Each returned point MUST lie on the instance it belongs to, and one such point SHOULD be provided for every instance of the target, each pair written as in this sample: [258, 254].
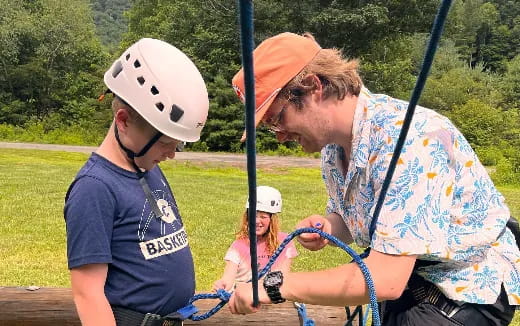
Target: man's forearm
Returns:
[345, 285]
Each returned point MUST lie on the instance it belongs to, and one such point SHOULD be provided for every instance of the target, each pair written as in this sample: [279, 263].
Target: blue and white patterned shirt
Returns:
[441, 204]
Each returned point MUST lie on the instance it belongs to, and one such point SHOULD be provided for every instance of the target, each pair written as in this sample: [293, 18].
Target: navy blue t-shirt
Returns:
[109, 220]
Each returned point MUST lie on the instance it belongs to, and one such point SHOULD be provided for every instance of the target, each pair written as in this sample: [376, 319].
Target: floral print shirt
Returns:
[441, 204]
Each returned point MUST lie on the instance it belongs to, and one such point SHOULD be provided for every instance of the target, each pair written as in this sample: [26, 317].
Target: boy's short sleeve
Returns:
[89, 217]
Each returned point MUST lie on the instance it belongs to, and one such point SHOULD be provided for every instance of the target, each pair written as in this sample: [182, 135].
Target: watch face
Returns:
[273, 279]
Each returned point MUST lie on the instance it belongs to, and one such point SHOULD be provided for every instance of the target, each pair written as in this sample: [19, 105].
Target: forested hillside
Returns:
[109, 20]
[52, 60]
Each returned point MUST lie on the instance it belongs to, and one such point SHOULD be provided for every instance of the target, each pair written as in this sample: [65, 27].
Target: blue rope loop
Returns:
[221, 294]
[224, 295]
[362, 266]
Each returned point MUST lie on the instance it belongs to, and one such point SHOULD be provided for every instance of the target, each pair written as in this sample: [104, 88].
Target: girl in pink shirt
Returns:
[268, 237]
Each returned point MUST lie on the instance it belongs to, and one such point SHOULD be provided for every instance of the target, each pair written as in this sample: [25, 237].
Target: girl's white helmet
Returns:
[268, 199]
[163, 85]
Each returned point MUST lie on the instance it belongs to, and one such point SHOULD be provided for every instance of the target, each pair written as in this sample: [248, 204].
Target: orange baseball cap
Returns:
[276, 61]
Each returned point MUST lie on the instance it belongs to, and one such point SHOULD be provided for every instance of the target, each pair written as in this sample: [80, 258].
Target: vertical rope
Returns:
[247, 41]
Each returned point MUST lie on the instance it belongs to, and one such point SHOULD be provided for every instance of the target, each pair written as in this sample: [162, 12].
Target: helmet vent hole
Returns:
[127, 56]
[137, 64]
[159, 106]
[140, 80]
[118, 67]
[154, 91]
[176, 113]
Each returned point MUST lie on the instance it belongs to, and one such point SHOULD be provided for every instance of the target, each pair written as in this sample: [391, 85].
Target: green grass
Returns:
[211, 201]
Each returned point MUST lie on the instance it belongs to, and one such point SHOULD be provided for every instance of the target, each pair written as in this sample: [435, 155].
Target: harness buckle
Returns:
[150, 317]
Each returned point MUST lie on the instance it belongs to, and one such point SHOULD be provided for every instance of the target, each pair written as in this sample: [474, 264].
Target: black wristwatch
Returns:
[272, 283]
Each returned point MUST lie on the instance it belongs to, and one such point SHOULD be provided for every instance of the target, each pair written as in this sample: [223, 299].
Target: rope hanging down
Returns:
[247, 42]
[433, 43]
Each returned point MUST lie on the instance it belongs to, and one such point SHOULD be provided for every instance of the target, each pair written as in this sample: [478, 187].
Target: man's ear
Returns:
[313, 82]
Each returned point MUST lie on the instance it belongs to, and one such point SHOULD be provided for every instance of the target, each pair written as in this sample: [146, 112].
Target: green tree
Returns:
[510, 84]
[207, 31]
[485, 32]
[54, 61]
[110, 20]
[457, 86]
[480, 123]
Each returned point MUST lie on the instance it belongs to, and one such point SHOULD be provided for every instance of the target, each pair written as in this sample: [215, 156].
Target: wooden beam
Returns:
[54, 306]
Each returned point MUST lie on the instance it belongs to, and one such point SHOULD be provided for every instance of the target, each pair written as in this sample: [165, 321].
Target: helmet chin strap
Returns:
[131, 155]
[140, 173]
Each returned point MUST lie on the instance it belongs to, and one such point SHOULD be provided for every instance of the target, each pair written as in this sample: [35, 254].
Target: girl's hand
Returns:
[314, 241]
[221, 284]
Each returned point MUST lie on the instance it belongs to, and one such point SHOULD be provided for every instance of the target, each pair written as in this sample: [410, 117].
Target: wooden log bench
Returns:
[54, 306]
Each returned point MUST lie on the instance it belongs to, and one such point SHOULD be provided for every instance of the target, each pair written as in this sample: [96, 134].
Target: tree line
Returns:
[53, 54]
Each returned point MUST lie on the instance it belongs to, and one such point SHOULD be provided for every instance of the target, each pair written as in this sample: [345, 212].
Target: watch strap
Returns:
[273, 289]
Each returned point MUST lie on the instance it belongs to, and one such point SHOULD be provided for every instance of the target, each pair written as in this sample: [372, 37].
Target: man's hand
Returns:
[241, 301]
[314, 241]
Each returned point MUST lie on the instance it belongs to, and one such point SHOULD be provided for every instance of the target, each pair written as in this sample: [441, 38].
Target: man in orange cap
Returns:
[443, 251]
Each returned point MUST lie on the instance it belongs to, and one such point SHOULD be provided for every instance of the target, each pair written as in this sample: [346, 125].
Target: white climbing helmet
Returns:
[164, 86]
[268, 199]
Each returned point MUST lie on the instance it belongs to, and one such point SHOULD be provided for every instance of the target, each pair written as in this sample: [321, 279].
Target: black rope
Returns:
[247, 42]
[436, 33]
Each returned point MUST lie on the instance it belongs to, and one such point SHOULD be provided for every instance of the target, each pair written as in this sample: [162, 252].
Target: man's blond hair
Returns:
[339, 77]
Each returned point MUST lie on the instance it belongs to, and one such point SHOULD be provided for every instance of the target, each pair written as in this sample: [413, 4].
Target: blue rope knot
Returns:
[189, 311]
[223, 295]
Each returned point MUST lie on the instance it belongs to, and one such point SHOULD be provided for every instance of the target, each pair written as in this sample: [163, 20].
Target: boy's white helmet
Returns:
[164, 86]
[268, 199]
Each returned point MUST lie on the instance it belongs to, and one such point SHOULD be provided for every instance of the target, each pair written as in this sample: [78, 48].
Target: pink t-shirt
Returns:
[238, 253]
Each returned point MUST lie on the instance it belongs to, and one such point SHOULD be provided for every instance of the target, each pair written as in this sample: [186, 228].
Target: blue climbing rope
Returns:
[247, 42]
[190, 310]
[362, 266]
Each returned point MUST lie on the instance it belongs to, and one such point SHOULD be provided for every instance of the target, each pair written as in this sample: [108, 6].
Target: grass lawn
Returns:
[211, 201]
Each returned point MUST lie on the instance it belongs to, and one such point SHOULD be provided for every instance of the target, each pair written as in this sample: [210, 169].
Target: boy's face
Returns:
[163, 149]
[135, 133]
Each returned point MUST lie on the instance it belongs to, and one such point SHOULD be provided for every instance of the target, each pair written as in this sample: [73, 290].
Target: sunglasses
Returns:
[274, 123]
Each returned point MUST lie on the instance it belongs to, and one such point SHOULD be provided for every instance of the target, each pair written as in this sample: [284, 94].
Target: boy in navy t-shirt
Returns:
[127, 247]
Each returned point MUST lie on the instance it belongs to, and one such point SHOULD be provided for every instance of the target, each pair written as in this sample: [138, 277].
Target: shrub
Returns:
[505, 173]
[489, 155]
[199, 146]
